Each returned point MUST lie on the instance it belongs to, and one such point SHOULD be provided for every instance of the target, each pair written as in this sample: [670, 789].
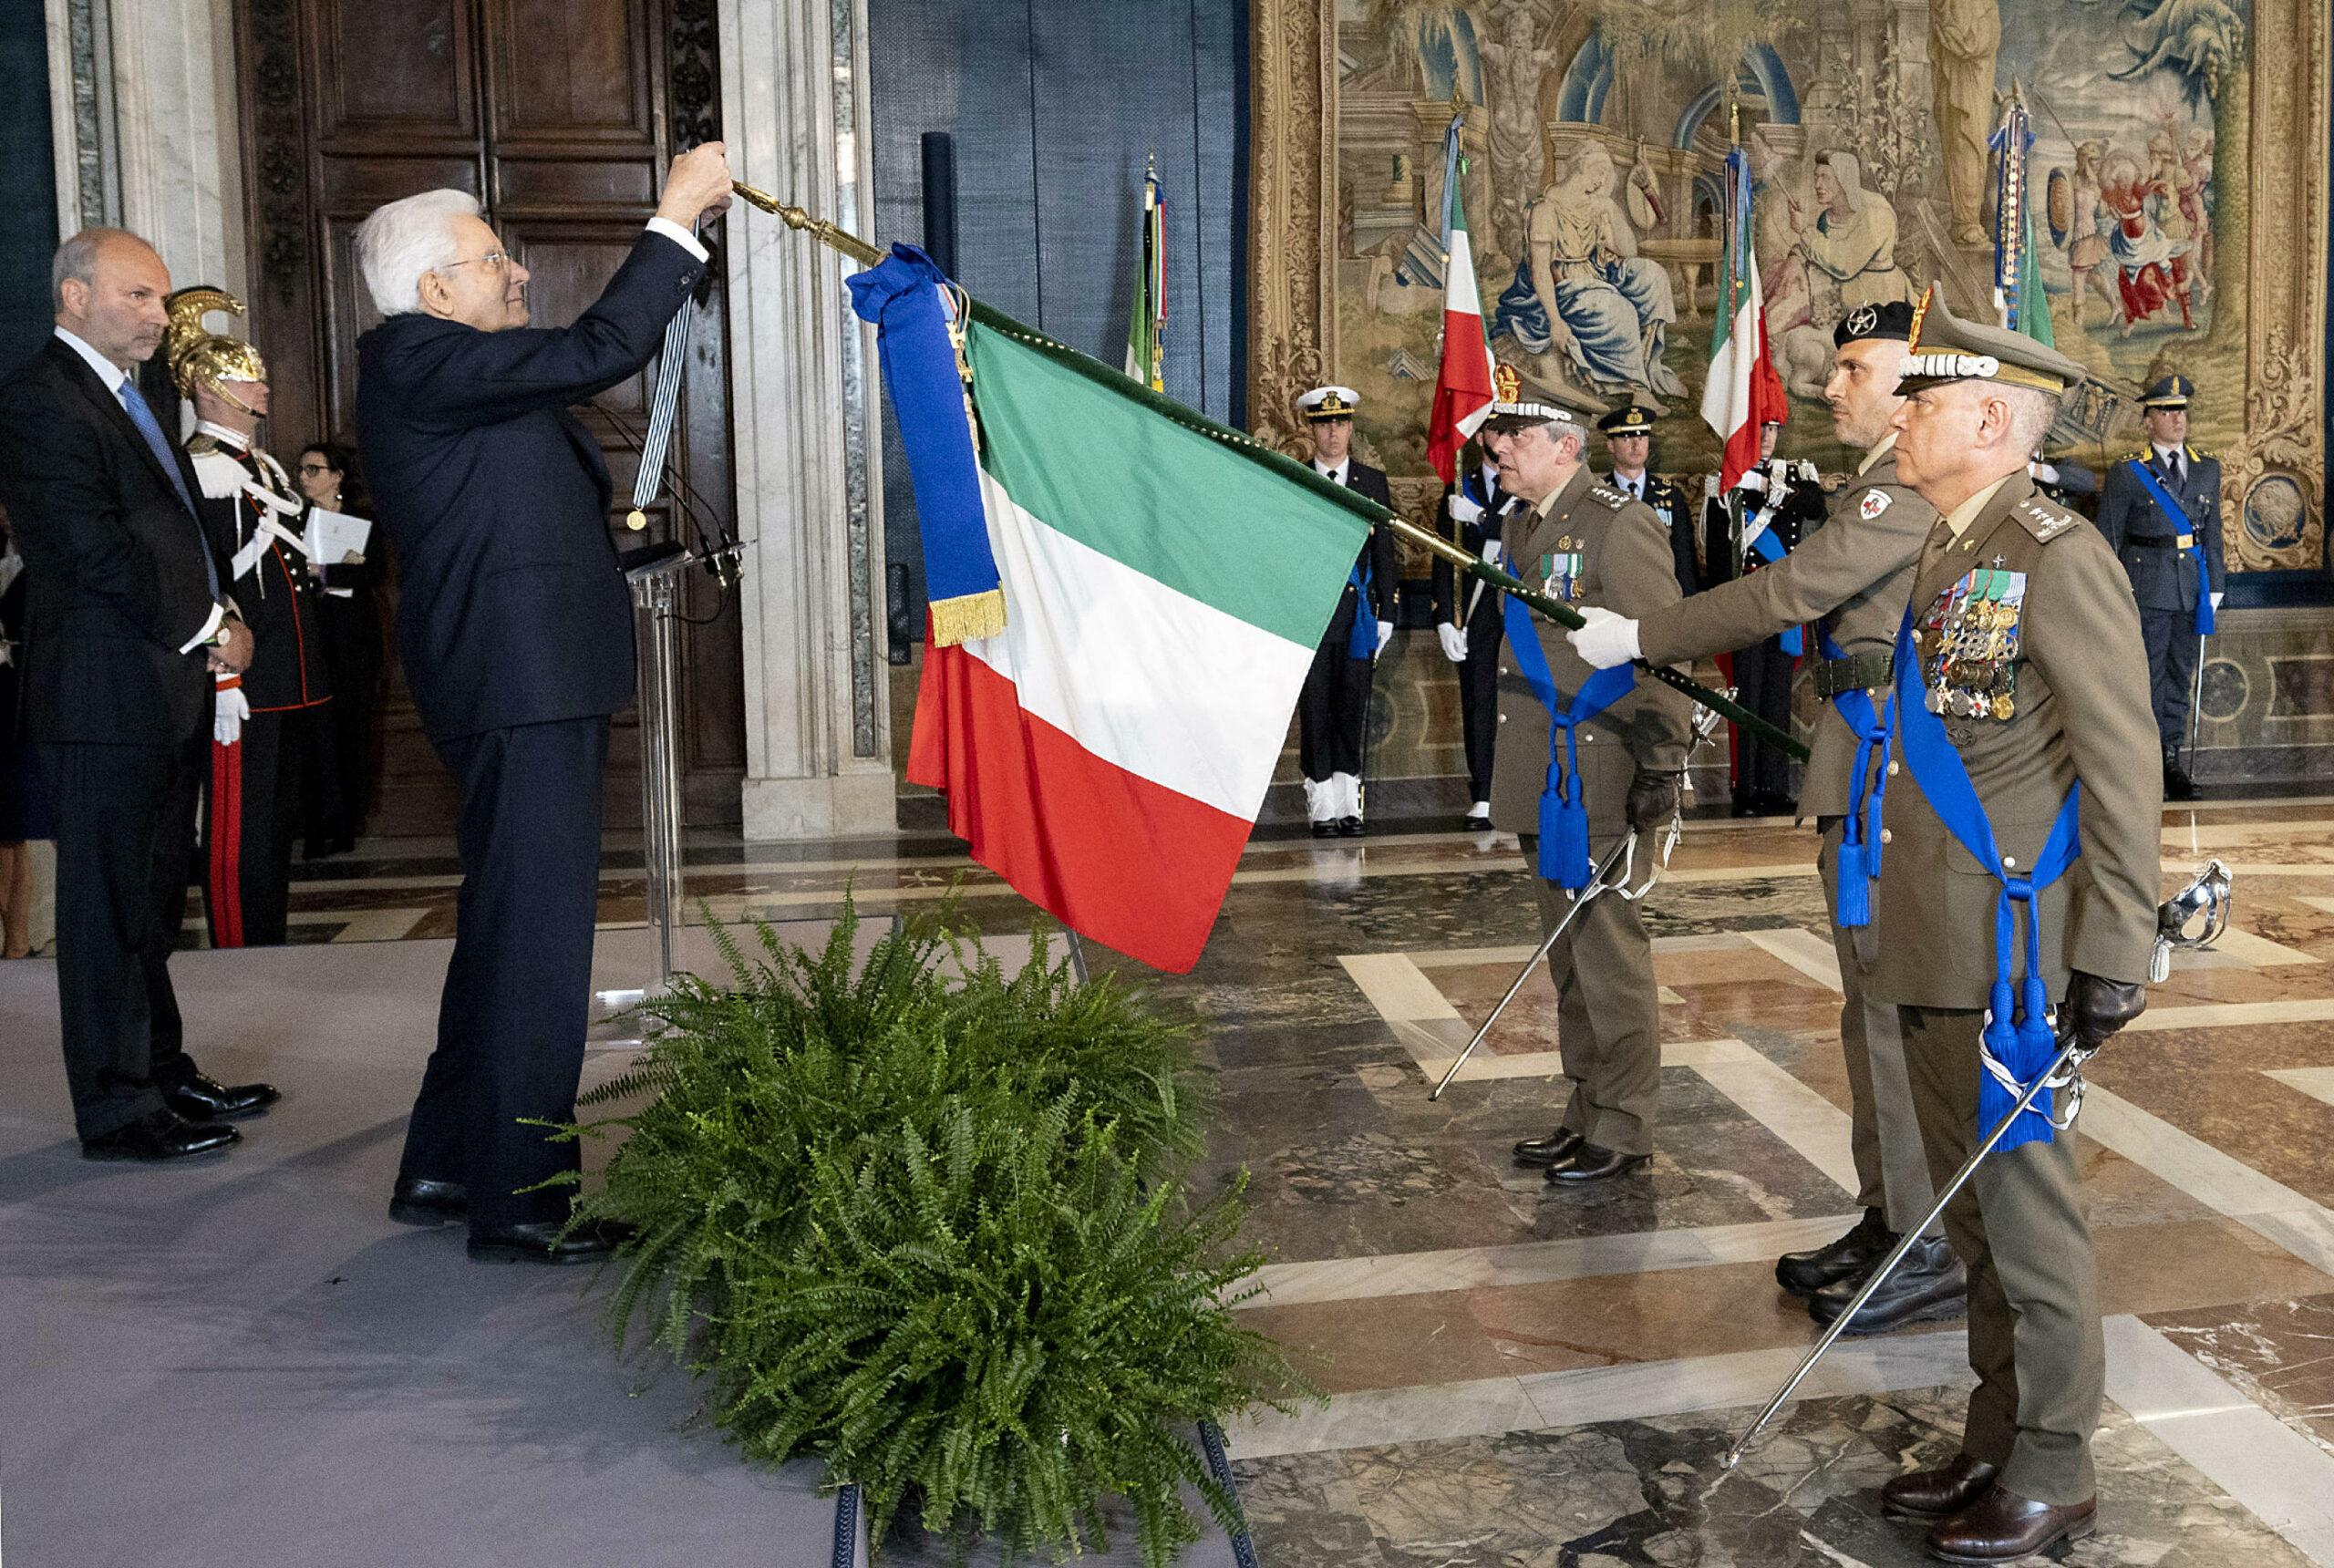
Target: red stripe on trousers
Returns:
[1113, 855]
[227, 844]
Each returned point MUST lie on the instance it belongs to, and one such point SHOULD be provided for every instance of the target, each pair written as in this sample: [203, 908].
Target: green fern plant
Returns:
[924, 1221]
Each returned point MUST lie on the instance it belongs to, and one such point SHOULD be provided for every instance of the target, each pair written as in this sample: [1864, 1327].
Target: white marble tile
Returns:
[1377, 1415]
[1811, 955]
[1536, 1263]
[2241, 949]
[2220, 1182]
[1748, 1377]
[2316, 1082]
[2233, 1015]
[2283, 1477]
[1787, 1108]
[1396, 988]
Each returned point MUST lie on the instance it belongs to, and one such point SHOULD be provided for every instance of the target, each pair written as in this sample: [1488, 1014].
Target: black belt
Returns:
[2152, 540]
[1857, 672]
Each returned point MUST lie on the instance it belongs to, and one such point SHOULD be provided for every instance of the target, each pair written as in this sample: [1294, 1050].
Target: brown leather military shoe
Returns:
[2001, 1527]
[1934, 1494]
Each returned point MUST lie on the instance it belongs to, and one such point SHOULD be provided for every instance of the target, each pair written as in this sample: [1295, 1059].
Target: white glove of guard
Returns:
[1751, 479]
[1606, 640]
[1454, 641]
[1385, 638]
[1463, 509]
[2216, 600]
[232, 707]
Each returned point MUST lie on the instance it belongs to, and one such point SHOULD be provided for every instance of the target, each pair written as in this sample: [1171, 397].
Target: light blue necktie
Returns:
[141, 414]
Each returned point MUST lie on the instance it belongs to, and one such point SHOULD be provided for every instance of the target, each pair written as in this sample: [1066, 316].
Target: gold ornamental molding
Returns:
[1292, 212]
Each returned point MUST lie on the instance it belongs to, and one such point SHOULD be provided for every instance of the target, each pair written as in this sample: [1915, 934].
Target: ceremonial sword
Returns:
[2208, 895]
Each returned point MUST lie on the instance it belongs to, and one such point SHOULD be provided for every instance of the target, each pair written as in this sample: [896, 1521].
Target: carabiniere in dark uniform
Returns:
[259, 765]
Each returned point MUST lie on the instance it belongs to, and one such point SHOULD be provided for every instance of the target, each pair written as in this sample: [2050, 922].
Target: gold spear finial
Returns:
[826, 233]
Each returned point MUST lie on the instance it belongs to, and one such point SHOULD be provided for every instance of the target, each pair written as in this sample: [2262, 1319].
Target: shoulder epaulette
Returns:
[202, 445]
[218, 474]
[2044, 519]
[1607, 497]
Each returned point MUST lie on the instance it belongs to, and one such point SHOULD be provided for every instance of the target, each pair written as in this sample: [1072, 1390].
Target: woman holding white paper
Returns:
[348, 562]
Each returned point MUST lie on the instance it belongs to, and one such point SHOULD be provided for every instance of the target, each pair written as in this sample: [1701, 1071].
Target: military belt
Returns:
[2152, 540]
[1857, 672]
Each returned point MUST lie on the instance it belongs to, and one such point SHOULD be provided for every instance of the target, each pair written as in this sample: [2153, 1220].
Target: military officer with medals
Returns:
[1583, 756]
[1333, 707]
[261, 724]
[1628, 442]
[2016, 905]
[1772, 505]
[1852, 575]
[2161, 512]
[1467, 620]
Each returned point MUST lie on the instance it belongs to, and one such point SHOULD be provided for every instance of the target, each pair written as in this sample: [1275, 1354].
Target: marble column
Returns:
[801, 368]
[145, 120]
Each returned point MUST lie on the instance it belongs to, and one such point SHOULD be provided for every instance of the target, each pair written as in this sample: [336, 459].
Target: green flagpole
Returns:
[1281, 463]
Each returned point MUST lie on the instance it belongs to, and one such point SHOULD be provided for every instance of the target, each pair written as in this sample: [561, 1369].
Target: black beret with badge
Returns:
[1892, 320]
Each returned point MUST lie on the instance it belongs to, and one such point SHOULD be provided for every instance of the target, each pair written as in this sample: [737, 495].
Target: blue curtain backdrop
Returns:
[1052, 107]
[28, 217]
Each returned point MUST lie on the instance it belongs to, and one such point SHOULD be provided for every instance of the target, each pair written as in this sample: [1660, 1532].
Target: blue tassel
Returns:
[1855, 887]
[1563, 836]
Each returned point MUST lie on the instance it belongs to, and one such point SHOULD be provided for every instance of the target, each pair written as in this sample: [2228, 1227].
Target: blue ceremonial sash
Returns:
[1771, 551]
[1361, 641]
[2177, 515]
[1859, 861]
[2016, 1045]
[1563, 812]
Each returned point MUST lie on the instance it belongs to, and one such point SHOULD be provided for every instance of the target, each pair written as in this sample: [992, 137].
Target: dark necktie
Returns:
[2179, 469]
[141, 414]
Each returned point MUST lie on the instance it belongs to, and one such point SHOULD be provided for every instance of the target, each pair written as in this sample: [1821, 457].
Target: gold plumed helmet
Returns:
[201, 357]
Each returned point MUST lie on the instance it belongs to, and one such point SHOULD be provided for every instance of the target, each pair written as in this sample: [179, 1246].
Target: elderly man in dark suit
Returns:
[127, 621]
[516, 631]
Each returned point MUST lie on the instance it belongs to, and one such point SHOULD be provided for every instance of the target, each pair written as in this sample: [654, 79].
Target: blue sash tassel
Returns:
[1770, 551]
[1859, 861]
[1361, 641]
[1564, 809]
[2018, 1033]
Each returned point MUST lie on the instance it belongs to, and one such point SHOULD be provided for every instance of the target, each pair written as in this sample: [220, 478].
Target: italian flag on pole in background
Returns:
[1106, 749]
[1147, 319]
[1463, 389]
[1743, 392]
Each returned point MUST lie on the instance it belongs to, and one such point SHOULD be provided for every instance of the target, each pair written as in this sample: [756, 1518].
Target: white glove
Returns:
[1751, 479]
[1385, 637]
[1454, 641]
[1606, 640]
[2047, 472]
[233, 708]
[1463, 509]
[2216, 600]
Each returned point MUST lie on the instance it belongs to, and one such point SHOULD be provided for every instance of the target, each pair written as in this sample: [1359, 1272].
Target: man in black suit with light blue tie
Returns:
[515, 627]
[128, 618]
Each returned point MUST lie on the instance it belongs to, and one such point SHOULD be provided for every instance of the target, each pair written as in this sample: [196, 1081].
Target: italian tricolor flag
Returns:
[1463, 388]
[1107, 752]
[1743, 392]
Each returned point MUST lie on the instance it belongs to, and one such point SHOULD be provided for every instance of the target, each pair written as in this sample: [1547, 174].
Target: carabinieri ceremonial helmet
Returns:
[201, 357]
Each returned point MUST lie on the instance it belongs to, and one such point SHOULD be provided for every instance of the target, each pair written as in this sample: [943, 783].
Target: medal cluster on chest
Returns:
[1562, 569]
[1970, 638]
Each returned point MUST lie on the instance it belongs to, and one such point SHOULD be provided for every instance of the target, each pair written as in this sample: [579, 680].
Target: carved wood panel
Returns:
[560, 116]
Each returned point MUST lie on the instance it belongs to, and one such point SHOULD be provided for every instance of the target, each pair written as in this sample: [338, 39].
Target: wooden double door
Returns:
[560, 116]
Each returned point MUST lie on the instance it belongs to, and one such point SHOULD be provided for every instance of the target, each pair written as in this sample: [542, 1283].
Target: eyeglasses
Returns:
[495, 258]
[308, 468]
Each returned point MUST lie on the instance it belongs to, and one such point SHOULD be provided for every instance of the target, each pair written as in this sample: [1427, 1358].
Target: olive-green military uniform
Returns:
[2064, 698]
[1608, 1014]
[1856, 570]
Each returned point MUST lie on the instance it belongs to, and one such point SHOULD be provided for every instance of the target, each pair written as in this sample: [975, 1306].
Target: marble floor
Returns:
[1517, 1376]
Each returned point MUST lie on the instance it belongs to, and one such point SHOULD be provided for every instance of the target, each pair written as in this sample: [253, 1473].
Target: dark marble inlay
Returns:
[2279, 1354]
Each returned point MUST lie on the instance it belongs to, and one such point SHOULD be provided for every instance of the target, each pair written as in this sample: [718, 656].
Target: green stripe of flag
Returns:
[1161, 498]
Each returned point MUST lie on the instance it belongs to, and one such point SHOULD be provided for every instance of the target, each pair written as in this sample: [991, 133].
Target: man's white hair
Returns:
[406, 239]
[2031, 413]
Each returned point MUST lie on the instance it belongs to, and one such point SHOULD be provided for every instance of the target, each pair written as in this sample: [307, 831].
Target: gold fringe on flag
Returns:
[967, 616]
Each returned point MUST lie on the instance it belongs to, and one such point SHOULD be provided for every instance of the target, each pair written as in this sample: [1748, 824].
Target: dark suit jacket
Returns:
[1452, 595]
[2162, 577]
[1378, 549]
[113, 563]
[512, 608]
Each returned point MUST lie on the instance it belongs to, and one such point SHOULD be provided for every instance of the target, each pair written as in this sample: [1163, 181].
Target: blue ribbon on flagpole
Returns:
[2016, 1045]
[1361, 641]
[902, 297]
[1770, 551]
[1858, 867]
[1564, 808]
[2177, 515]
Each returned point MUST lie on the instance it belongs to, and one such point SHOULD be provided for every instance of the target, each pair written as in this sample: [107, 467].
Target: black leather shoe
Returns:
[1929, 1286]
[414, 1202]
[164, 1135]
[1590, 1162]
[1934, 1494]
[2002, 1527]
[1325, 830]
[1538, 1153]
[543, 1244]
[197, 1097]
[1474, 824]
[1851, 1257]
[1349, 827]
[2178, 785]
